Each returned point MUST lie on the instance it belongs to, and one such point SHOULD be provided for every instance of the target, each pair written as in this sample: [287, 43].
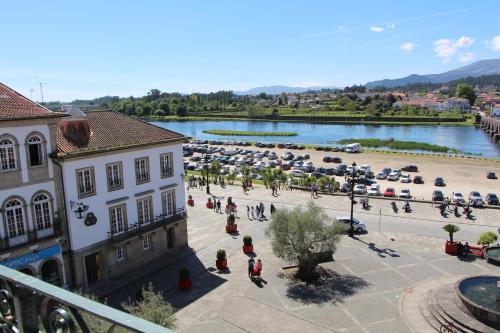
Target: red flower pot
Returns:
[210, 205]
[190, 202]
[232, 228]
[185, 284]
[221, 264]
[247, 249]
[451, 247]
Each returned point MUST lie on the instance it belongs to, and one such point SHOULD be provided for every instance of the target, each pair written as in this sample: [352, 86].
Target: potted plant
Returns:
[184, 279]
[190, 201]
[247, 244]
[451, 247]
[210, 203]
[221, 262]
[231, 227]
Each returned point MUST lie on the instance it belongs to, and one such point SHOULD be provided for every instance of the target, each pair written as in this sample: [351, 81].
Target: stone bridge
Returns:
[492, 127]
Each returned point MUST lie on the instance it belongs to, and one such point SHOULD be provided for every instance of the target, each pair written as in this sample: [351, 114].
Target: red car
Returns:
[389, 192]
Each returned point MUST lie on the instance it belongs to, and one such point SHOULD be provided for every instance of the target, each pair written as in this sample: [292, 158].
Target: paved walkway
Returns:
[360, 290]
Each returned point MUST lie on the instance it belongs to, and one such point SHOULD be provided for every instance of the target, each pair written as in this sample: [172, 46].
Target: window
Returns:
[166, 165]
[117, 219]
[142, 170]
[146, 242]
[35, 151]
[8, 158]
[15, 218]
[85, 182]
[168, 202]
[144, 210]
[120, 253]
[41, 212]
[115, 176]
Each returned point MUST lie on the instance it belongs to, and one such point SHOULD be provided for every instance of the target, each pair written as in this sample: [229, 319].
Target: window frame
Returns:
[141, 212]
[170, 158]
[113, 225]
[109, 167]
[19, 226]
[42, 151]
[120, 249]
[164, 202]
[147, 170]
[147, 242]
[6, 150]
[92, 180]
[46, 211]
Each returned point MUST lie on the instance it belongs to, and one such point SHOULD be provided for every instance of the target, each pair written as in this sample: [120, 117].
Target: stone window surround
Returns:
[44, 150]
[148, 170]
[121, 186]
[92, 175]
[170, 157]
[16, 152]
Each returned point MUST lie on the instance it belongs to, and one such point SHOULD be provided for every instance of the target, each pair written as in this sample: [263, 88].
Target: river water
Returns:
[468, 139]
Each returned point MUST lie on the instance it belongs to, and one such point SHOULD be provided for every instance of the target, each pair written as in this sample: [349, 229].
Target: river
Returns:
[468, 139]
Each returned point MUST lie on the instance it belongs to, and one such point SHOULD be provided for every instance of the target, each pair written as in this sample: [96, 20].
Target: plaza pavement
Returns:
[361, 290]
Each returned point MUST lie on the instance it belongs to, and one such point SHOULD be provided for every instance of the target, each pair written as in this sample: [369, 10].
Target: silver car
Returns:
[345, 221]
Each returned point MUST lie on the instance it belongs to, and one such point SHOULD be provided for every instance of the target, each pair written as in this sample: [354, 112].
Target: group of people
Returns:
[196, 182]
[463, 249]
[254, 268]
[217, 206]
[257, 212]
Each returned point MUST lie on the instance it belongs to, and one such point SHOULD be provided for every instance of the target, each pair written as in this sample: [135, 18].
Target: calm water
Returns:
[482, 291]
[465, 138]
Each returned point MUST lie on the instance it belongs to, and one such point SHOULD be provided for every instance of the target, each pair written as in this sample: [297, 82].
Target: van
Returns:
[353, 148]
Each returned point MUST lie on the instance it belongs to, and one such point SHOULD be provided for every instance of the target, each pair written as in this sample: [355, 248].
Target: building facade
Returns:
[31, 214]
[124, 193]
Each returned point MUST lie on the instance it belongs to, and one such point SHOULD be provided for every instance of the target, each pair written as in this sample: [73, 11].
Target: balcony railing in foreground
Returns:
[140, 228]
[27, 304]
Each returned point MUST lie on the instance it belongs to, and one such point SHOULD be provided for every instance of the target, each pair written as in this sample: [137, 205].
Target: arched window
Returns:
[35, 150]
[41, 211]
[8, 158]
[14, 214]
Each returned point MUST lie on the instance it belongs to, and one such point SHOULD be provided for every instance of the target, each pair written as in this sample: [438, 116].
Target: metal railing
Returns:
[31, 236]
[27, 304]
[140, 228]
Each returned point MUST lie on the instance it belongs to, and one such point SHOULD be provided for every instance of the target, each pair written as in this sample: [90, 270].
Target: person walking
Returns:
[219, 207]
[253, 215]
[272, 208]
[248, 212]
[215, 206]
[262, 211]
[251, 264]
[257, 212]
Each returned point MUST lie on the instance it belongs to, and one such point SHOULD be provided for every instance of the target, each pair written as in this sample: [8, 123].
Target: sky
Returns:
[88, 49]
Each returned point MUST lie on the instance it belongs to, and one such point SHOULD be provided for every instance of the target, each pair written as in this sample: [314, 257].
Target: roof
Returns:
[14, 106]
[110, 131]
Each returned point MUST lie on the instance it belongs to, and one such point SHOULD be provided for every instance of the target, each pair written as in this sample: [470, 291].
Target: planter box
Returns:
[185, 284]
[210, 205]
[451, 248]
[231, 228]
[221, 264]
[190, 202]
[247, 249]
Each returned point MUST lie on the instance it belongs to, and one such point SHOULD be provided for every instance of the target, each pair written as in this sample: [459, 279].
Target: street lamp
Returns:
[353, 177]
[205, 160]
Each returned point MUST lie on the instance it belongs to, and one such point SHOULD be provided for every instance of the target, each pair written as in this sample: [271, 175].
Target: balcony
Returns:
[29, 304]
[137, 229]
[31, 236]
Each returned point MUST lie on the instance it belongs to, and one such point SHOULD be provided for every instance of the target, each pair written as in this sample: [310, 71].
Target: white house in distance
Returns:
[31, 213]
[124, 193]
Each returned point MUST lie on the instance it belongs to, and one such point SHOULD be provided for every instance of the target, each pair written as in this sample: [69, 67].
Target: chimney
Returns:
[76, 128]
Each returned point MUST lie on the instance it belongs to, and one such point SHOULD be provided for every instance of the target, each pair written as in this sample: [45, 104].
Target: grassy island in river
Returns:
[399, 145]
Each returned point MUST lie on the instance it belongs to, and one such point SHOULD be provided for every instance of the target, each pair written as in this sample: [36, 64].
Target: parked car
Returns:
[405, 193]
[410, 168]
[360, 189]
[330, 171]
[418, 180]
[381, 175]
[405, 178]
[491, 199]
[298, 173]
[345, 221]
[439, 181]
[437, 195]
[285, 167]
[346, 187]
[369, 174]
[393, 176]
[475, 196]
[374, 190]
[287, 156]
[458, 197]
[491, 175]
[328, 159]
[337, 159]
[272, 156]
[389, 192]
[364, 180]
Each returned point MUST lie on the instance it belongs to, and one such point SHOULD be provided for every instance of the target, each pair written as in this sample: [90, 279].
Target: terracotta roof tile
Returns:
[15, 106]
[113, 131]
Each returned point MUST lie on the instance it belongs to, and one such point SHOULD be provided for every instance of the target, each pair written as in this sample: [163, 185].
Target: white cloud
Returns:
[340, 27]
[466, 57]
[494, 44]
[407, 47]
[391, 26]
[446, 48]
[377, 29]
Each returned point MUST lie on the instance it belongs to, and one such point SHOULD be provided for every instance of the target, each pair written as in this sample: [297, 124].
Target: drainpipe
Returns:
[71, 263]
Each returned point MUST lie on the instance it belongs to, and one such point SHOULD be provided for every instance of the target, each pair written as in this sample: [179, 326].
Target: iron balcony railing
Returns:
[140, 228]
[30, 236]
[28, 304]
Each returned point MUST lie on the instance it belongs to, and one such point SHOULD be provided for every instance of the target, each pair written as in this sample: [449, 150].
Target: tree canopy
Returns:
[466, 91]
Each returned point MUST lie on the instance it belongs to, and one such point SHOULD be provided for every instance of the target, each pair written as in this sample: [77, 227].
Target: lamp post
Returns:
[353, 177]
[205, 160]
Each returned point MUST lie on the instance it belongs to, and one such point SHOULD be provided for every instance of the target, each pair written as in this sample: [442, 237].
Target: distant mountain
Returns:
[478, 68]
[275, 90]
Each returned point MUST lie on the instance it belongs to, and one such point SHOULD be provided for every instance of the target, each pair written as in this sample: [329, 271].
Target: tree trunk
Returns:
[306, 270]
[451, 237]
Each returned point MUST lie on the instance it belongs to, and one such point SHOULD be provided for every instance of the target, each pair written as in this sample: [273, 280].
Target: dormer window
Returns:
[35, 151]
[8, 154]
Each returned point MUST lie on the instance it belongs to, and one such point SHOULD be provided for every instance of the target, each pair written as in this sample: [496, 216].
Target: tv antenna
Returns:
[41, 85]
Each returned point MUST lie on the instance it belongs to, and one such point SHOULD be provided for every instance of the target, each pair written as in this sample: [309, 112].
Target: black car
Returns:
[491, 199]
[187, 153]
[328, 159]
[439, 181]
[346, 187]
[328, 149]
[317, 174]
[437, 195]
[418, 180]
[322, 170]
[410, 168]
[319, 148]
[369, 175]
[365, 181]
[330, 171]
[337, 159]
[491, 175]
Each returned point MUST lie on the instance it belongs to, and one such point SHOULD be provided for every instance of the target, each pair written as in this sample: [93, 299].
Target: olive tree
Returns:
[487, 237]
[299, 234]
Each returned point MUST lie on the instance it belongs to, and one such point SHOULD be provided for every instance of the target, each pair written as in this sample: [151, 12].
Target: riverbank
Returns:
[400, 145]
[248, 133]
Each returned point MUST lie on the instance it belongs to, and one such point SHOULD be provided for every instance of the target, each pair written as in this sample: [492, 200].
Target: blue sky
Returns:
[90, 48]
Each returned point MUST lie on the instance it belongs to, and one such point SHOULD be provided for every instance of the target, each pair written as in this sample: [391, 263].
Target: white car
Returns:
[374, 190]
[272, 156]
[393, 176]
[364, 168]
[298, 173]
[475, 196]
[345, 221]
[405, 178]
[405, 193]
[458, 197]
[398, 171]
[360, 189]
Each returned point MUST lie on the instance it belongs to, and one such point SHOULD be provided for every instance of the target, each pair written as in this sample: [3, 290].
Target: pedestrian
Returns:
[248, 212]
[272, 208]
[219, 207]
[253, 216]
[215, 206]
[262, 210]
[257, 212]
[251, 263]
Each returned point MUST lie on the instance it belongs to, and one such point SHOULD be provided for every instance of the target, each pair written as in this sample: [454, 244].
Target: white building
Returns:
[30, 212]
[124, 193]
